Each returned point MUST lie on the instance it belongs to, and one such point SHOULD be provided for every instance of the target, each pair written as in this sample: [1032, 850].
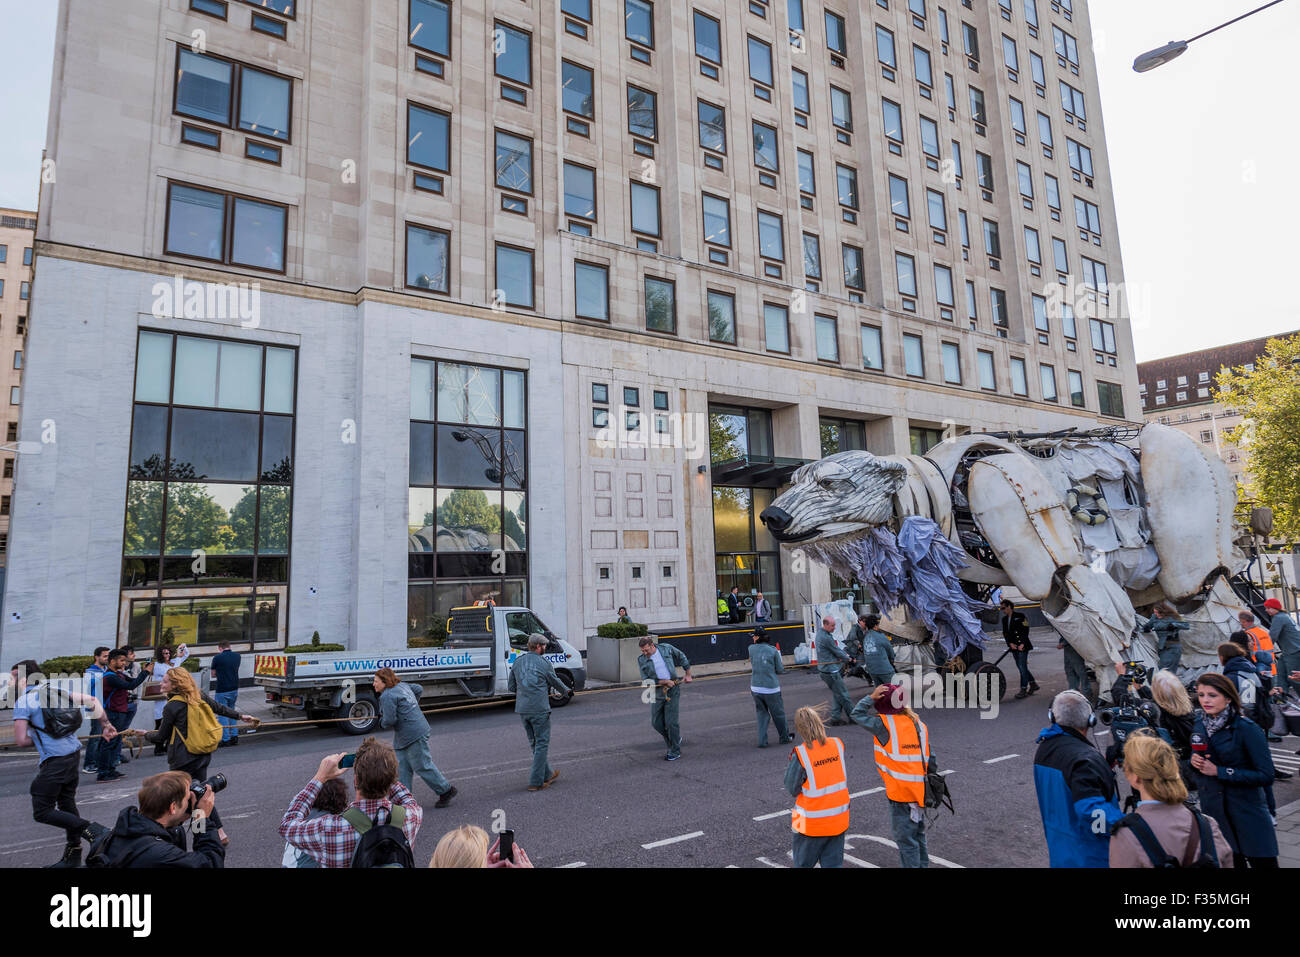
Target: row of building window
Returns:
[24, 290]
[4, 254]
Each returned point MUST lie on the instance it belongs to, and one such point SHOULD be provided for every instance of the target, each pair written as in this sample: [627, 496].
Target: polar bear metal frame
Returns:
[1006, 501]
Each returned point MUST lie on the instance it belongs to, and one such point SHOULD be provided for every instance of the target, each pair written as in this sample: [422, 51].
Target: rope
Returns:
[265, 727]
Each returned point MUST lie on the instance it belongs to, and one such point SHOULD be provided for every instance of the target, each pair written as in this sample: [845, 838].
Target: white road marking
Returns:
[768, 817]
[862, 793]
[764, 860]
[888, 843]
[945, 773]
[673, 840]
[860, 863]
[1005, 757]
[574, 864]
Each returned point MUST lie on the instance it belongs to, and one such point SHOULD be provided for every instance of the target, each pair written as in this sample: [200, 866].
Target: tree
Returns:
[469, 508]
[1268, 398]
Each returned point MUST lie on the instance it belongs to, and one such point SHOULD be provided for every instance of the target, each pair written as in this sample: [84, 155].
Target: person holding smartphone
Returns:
[467, 846]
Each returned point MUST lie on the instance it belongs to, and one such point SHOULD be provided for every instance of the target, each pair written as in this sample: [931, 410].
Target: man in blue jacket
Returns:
[1076, 789]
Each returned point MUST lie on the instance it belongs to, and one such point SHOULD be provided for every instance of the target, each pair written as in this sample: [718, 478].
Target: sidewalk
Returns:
[1288, 835]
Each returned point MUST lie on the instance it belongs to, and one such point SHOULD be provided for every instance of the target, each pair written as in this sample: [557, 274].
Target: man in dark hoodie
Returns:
[117, 686]
[1076, 789]
[152, 834]
[399, 709]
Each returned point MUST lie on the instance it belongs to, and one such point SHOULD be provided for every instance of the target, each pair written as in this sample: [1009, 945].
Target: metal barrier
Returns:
[731, 642]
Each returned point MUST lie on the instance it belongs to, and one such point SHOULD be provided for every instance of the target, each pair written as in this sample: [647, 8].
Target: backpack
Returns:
[381, 845]
[937, 794]
[203, 730]
[56, 721]
[1207, 855]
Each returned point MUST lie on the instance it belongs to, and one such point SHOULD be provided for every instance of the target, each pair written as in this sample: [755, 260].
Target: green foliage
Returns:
[314, 645]
[435, 636]
[67, 665]
[192, 665]
[616, 630]
[1268, 399]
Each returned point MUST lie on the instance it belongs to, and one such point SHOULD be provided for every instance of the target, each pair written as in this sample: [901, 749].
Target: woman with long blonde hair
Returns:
[184, 699]
[467, 846]
[164, 660]
[817, 778]
[1177, 830]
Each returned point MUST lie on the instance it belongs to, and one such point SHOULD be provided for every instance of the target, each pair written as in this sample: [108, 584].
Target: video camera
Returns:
[1131, 710]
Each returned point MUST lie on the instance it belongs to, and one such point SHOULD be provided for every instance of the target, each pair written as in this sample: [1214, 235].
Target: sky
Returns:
[1200, 151]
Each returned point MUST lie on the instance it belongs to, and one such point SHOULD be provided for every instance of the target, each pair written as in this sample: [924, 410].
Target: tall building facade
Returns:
[1180, 390]
[385, 307]
[17, 235]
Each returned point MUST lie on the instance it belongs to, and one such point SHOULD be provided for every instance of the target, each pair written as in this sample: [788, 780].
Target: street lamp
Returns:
[1175, 48]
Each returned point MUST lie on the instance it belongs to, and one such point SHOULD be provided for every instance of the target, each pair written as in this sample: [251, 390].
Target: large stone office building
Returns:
[549, 297]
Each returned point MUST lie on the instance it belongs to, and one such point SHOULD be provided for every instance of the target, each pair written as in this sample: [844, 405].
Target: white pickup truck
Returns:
[472, 664]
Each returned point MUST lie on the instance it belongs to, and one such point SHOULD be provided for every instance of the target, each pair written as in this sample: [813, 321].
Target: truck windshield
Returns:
[521, 624]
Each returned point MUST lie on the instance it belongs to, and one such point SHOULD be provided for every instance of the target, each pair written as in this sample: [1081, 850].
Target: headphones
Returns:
[1092, 716]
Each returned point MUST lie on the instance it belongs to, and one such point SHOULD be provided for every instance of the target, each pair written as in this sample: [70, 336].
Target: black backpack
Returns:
[381, 845]
[62, 718]
[1207, 855]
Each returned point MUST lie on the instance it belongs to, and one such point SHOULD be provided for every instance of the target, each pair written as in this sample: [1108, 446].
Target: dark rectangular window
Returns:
[514, 275]
[578, 92]
[225, 228]
[645, 209]
[660, 305]
[591, 291]
[642, 112]
[579, 191]
[514, 162]
[428, 138]
[514, 54]
[713, 126]
[431, 26]
[428, 257]
[232, 94]
[639, 20]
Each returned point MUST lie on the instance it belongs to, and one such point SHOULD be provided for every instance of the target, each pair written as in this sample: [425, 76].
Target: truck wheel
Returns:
[567, 679]
[994, 674]
[362, 715]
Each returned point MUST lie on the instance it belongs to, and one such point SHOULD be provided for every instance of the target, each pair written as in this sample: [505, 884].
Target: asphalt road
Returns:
[617, 803]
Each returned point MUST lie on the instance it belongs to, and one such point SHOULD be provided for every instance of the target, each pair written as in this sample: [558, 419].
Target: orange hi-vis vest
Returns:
[903, 761]
[822, 808]
[1264, 643]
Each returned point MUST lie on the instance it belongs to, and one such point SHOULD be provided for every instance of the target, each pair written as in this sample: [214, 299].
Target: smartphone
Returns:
[507, 849]
[348, 760]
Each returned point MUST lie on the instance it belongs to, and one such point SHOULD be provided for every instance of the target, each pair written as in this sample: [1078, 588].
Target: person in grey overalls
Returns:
[765, 664]
[1168, 645]
[532, 679]
[829, 656]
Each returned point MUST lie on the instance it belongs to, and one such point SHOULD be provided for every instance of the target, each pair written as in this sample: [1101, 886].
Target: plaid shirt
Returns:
[330, 839]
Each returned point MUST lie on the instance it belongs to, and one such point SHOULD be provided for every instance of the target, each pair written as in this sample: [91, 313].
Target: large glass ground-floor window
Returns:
[467, 525]
[205, 551]
[746, 555]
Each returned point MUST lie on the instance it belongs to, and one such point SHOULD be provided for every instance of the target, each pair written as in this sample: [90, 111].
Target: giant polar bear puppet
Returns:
[1092, 525]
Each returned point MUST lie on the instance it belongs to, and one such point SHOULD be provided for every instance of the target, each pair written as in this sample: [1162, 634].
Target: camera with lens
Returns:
[217, 782]
[1132, 710]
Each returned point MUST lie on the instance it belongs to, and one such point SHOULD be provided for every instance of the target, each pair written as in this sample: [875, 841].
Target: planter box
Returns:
[613, 659]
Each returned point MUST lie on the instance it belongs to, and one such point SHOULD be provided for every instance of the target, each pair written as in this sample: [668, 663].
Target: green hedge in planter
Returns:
[616, 630]
[304, 649]
[67, 665]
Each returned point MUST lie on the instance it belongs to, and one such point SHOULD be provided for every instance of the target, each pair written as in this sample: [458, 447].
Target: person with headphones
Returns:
[1076, 789]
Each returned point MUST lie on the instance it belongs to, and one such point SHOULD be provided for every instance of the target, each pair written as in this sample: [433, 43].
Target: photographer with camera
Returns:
[153, 835]
[190, 729]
